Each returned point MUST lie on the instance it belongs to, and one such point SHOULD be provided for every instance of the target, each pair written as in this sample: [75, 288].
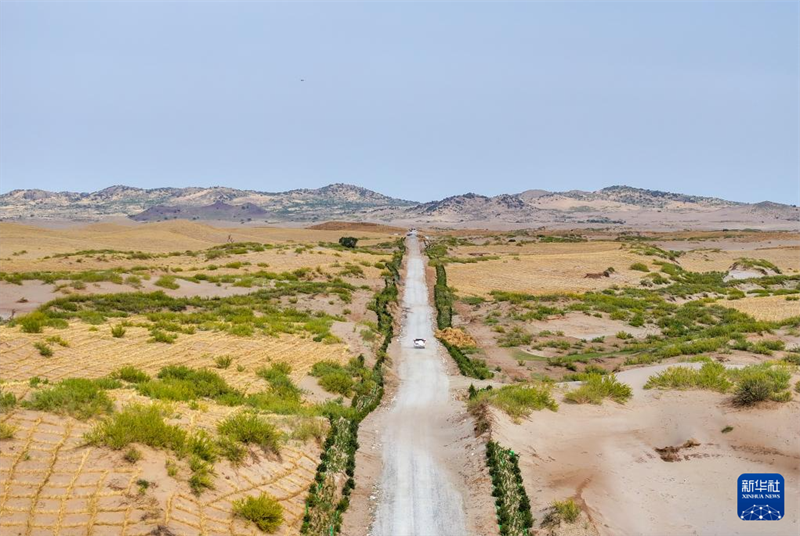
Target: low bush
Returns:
[249, 428]
[518, 400]
[118, 331]
[758, 383]
[516, 336]
[138, 423]
[711, 376]
[44, 349]
[566, 511]
[223, 361]
[8, 401]
[167, 281]
[78, 397]
[181, 383]
[131, 374]
[6, 431]
[639, 267]
[264, 511]
[597, 387]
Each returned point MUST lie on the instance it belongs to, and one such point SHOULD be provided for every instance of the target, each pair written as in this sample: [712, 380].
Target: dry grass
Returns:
[785, 258]
[51, 482]
[543, 268]
[93, 354]
[769, 308]
[162, 237]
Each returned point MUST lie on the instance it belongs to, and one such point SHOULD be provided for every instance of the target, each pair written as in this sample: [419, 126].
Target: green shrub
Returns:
[8, 401]
[132, 455]
[249, 428]
[202, 475]
[518, 400]
[78, 397]
[566, 511]
[167, 281]
[223, 361]
[264, 511]
[6, 431]
[348, 241]
[757, 383]
[156, 335]
[138, 423]
[44, 349]
[55, 339]
[711, 376]
[598, 387]
[118, 331]
[338, 382]
[131, 374]
[181, 383]
[32, 322]
[639, 267]
[516, 336]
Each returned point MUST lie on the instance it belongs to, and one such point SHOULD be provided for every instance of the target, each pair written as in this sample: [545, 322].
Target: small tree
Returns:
[348, 241]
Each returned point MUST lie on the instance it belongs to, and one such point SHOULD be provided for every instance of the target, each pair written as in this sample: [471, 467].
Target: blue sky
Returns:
[415, 100]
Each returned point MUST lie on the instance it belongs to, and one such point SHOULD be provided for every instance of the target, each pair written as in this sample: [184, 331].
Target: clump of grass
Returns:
[143, 485]
[333, 377]
[223, 361]
[758, 383]
[132, 455]
[44, 349]
[202, 475]
[727, 429]
[711, 376]
[118, 331]
[78, 397]
[167, 281]
[138, 423]
[6, 431]
[232, 450]
[56, 339]
[249, 428]
[566, 511]
[264, 511]
[131, 374]
[518, 400]
[306, 428]
[172, 467]
[639, 267]
[516, 336]
[8, 401]
[181, 383]
[156, 335]
[32, 323]
[597, 387]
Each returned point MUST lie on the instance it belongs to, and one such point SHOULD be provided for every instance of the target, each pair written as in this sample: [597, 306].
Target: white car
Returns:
[419, 343]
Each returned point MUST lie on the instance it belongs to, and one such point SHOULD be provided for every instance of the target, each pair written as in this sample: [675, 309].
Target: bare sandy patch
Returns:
[587, 327]
[605, 457]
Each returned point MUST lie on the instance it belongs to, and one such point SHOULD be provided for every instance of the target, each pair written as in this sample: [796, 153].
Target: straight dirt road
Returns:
[419, 494]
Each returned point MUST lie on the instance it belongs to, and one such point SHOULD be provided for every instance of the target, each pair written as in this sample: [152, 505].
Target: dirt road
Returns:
[419, 491]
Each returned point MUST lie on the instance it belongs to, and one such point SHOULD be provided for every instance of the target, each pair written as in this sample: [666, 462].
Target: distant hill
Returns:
[612, 206]
[219, 211]
[330, 202]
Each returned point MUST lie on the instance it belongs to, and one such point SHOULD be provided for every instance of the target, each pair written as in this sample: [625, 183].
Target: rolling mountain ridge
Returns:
[613, 205]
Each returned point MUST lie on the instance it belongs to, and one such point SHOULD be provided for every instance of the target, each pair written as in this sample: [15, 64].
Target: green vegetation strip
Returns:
[750, 385]
[511, 501]
[443, 299]
[329, 496]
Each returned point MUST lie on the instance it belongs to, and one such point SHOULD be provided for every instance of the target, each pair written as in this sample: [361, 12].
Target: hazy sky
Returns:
[415, 100]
